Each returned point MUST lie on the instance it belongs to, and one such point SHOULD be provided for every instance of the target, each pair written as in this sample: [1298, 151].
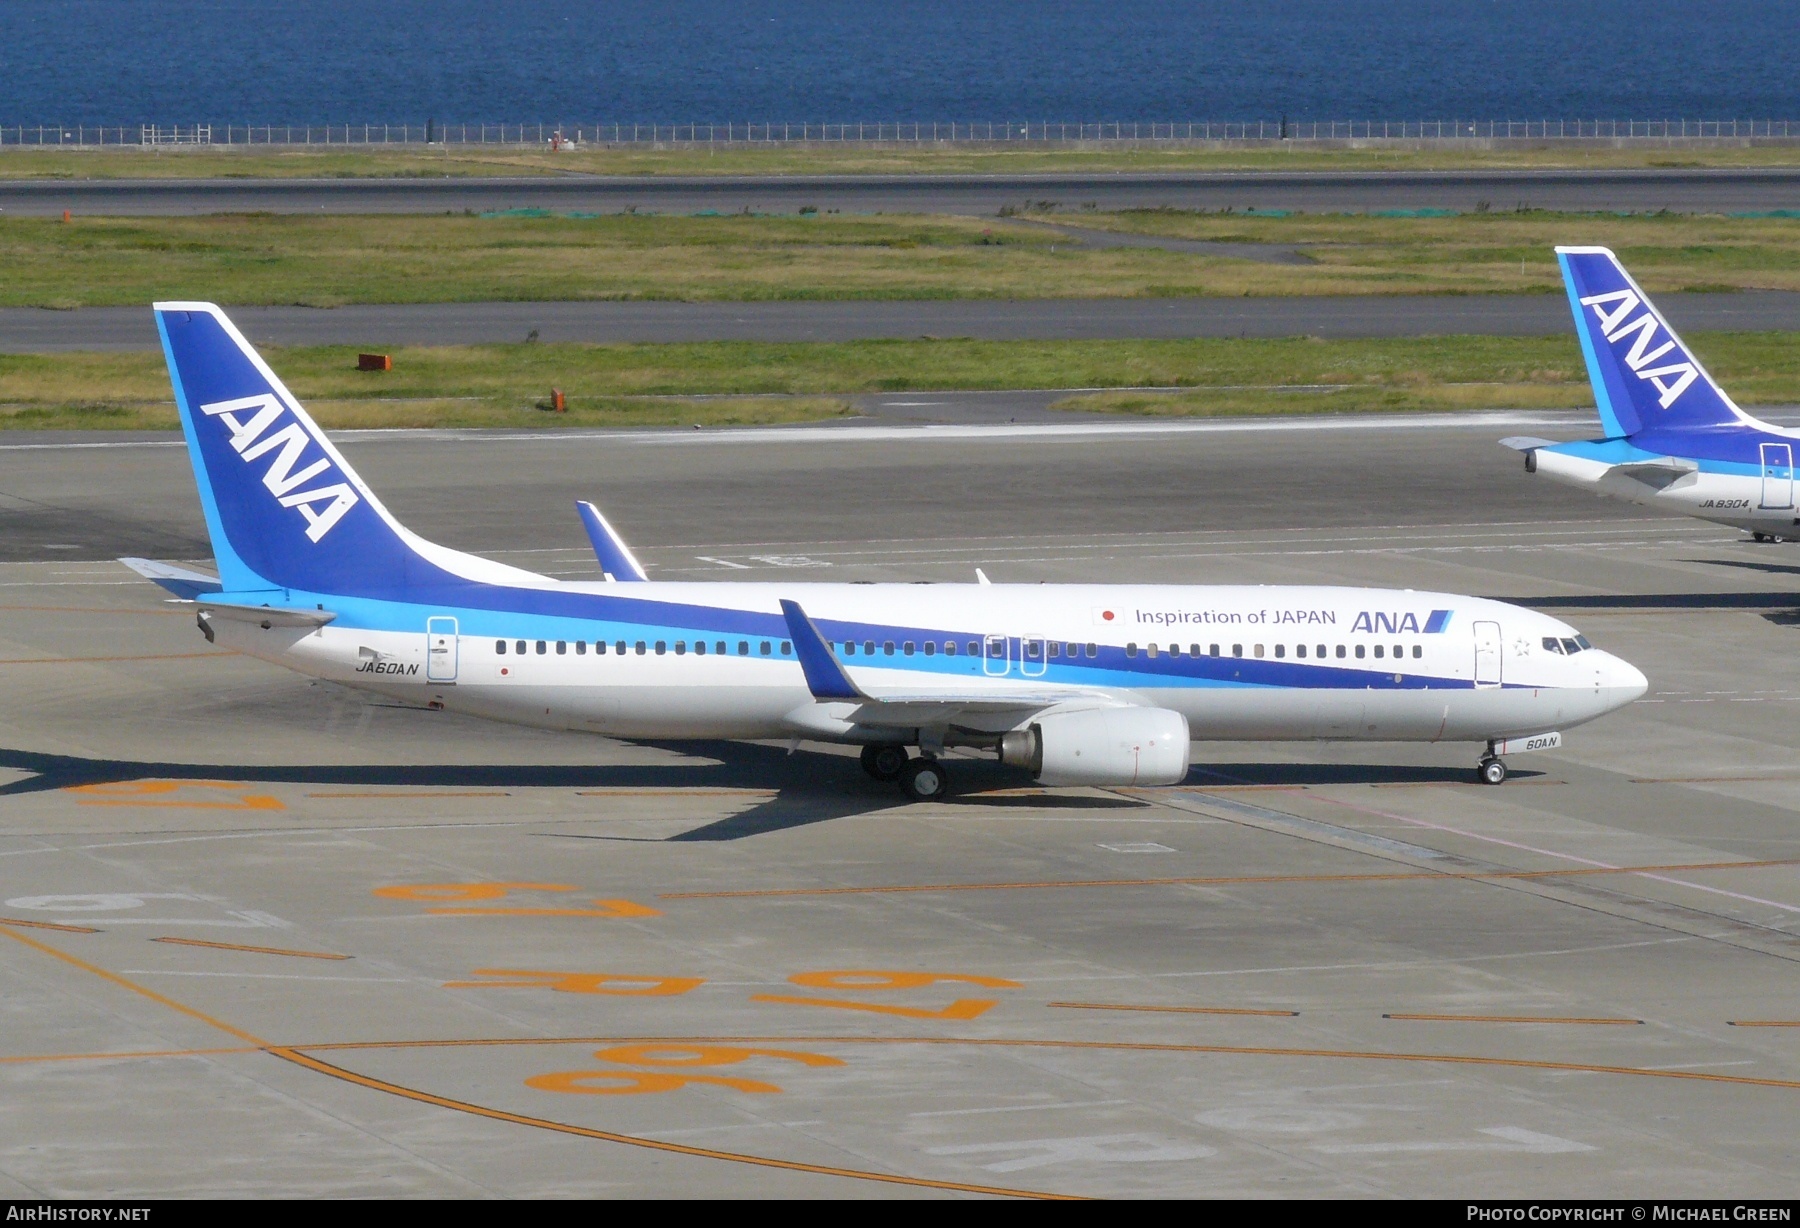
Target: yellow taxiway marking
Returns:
[421, 794]
[49, 925]
[1603, 1021]
[232, 946]
[1174, 1010]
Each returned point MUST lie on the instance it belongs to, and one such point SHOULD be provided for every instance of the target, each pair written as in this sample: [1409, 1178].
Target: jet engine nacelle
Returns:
[1105, 746]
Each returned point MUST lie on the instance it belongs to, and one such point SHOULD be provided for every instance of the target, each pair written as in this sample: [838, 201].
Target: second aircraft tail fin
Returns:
[1645, 378]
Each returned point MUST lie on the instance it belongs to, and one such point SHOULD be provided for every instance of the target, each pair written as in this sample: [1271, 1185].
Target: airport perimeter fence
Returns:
[688, 135]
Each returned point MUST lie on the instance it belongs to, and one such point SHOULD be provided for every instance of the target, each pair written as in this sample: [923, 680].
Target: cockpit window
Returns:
[1552, 644]
[1583, 641]
[1571, 647]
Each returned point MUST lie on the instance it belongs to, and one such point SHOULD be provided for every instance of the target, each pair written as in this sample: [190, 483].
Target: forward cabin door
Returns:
[440, 649]
[995, 659]
[1487, 654]
[1777, 475]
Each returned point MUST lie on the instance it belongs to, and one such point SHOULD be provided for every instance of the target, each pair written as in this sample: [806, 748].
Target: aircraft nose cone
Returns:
[1625, 680]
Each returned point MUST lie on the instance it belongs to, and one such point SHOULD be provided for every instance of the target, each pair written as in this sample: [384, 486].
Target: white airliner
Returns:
[1674, 440]
[1076, 684]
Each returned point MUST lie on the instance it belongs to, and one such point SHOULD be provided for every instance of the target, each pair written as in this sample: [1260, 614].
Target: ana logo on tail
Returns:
[1670, 381]
[252, 439]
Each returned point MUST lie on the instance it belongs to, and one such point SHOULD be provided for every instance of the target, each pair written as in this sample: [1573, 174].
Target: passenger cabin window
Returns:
[907, 648]
[1378, 652]
[681, 648]
[700, 647]
[1151, 649]
[765, 648]
[1321, 652]
[1359, 652]
[1280, 651]
[949, 648]
[868, 648]
[743, 648]
[620, 648]
[1399, 650]
[1299, 650]
[1131, 650]
[1212, 650]
[662, 647]
[519, 647]
[1237, 650]
[1340, 652]
[849, 648]
[600, 648]
[1093, 650]
[787, 648]
[641, 647]
[1259, 651]
[887, 648]
[500, 647]
[1418, 652]
[542, 647]
[719, 647]
[581, 648]
[931, 648]
[562, 648]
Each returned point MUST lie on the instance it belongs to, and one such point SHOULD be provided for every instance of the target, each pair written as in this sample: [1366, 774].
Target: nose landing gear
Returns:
[1491, 770]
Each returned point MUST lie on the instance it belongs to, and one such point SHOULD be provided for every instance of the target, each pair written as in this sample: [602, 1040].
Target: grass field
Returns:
[854, 159]
[746, 383]
[330, 261]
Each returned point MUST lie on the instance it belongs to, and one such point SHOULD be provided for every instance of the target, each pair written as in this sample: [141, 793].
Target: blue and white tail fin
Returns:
[284, 509]
[1645, 378]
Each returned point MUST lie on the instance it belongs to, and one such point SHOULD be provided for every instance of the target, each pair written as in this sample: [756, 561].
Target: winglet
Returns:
[825, 678]
[616, 560]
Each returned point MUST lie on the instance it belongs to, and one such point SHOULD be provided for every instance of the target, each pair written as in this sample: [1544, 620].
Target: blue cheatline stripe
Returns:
[651, 621]
[1437, 622]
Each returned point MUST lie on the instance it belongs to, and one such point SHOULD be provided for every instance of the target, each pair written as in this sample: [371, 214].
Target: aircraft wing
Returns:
[830, 683]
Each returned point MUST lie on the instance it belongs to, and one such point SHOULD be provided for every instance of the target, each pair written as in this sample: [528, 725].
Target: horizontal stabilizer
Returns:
[183, 582]
[265, 615]
[1525, 443]
[616, 560]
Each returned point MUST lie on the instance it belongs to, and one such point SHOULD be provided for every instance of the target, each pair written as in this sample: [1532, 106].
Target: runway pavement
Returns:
[260, 937]
[31, 330]
[1704, 190]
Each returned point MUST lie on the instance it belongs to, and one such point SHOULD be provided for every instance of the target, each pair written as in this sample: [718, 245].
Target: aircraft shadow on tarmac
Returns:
[807, 788]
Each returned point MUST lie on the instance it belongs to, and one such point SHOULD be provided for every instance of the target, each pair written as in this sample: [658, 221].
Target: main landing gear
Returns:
[1491, 770]
[1768, 537]
[884, 760]
[922, 780]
